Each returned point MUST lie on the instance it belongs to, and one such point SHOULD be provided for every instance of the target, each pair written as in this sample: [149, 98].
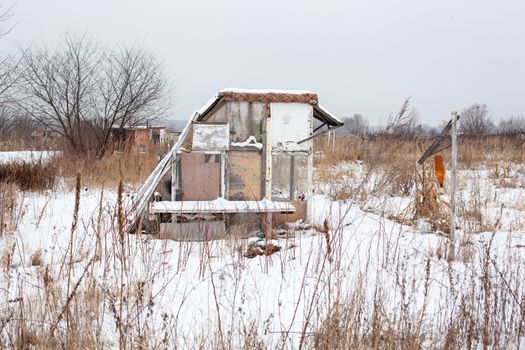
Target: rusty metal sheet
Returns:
[245, 175]
[269, 97]
[201, 177]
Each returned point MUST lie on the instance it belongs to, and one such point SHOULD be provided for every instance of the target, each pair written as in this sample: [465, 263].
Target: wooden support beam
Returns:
[454, 239]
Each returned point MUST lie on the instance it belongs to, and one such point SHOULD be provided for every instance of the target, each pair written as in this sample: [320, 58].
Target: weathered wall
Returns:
[210, 137]
[244, 174]
[301, 211]
[200, 176]
[245, 119]
[289, 176]
[219, 116]
[290, 122]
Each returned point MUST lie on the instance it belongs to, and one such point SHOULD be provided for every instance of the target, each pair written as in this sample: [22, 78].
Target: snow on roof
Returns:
[266, 91]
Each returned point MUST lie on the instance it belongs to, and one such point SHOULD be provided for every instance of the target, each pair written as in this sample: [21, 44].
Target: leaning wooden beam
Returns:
[143, 195]
[319, 133]
[221, 205]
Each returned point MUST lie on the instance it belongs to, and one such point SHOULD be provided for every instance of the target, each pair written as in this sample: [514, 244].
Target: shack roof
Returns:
[268, 96]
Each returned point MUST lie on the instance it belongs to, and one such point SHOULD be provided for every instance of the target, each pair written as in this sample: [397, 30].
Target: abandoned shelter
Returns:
[245, 158]
[138, 138]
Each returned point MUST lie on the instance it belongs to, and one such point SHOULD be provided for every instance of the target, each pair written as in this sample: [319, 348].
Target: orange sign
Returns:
[439, 168]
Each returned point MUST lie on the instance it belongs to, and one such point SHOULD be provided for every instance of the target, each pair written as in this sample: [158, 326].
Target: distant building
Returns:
[139, 138]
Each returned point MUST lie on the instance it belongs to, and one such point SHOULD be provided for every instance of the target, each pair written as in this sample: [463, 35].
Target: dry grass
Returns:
[106, 172]
[29, 176]
[391, 304]
[397, 153]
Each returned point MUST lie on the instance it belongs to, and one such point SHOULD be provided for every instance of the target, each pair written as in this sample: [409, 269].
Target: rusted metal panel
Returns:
[269, 97]
[210, 137]
[201, 179]
[245, 175]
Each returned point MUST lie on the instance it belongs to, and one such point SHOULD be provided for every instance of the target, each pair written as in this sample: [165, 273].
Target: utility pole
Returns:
[454, 240]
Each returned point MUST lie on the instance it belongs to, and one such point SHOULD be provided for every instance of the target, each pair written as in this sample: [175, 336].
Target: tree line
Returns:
[475, 120]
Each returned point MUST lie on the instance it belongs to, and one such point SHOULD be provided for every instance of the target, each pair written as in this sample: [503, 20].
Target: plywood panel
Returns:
[200, 176]
[245, 175]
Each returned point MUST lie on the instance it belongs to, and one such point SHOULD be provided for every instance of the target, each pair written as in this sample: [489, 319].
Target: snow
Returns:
[25, 156]
[250, 142]
[192, 285]
[221, 205]
[267, 91]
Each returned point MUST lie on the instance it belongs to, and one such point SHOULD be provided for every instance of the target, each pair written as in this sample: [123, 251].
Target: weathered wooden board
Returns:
[289, 176]
[300, 214]
[245, 119]
[245, 175]
[201, 177]
[300, 177]
[281, 177]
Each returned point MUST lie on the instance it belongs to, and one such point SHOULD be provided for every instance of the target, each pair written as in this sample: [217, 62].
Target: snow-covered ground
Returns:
[191, 294]
[25, 156]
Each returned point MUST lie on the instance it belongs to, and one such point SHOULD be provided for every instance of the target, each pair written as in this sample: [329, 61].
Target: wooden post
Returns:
[267, 149]
[453, 175]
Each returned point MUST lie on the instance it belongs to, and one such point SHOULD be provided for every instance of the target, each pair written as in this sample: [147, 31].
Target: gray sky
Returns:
[362, 56]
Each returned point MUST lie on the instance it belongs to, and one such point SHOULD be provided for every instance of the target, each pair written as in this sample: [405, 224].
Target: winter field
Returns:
[370, 272]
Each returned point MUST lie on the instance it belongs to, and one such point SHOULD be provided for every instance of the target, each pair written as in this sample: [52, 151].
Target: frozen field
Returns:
[372, 277]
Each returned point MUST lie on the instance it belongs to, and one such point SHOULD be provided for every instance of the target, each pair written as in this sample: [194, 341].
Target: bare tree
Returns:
[131, 91]
[475, 120]
[7, 76]
[81, 93]
[58, 88]
[512, 125]
[356, 125]
[6, 13]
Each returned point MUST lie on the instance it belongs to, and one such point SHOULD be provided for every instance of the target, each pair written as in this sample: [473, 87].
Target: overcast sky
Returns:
[362, 56]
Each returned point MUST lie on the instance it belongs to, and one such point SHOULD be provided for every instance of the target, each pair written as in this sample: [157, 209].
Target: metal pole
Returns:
[453, 174]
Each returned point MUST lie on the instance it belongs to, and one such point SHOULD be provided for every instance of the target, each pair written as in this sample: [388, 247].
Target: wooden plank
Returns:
[301, 213]
[245, 175]
[201, 179]
[221, 205]
[454, 239]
